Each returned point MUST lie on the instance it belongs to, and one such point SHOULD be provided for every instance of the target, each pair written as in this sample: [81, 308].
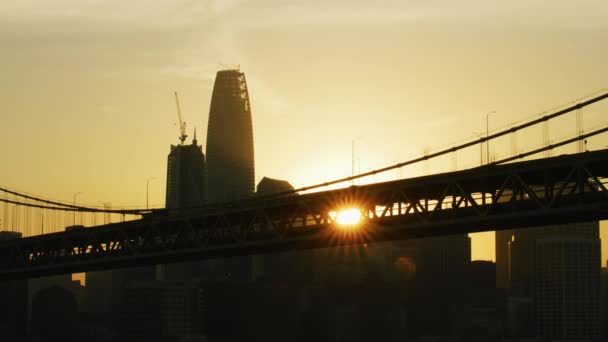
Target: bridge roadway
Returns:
[568, 188]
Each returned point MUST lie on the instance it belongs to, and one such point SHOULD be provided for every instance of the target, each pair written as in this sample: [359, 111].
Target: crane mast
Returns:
[182, 125]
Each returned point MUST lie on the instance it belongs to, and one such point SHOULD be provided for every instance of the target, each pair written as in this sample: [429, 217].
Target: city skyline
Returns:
[387, 99]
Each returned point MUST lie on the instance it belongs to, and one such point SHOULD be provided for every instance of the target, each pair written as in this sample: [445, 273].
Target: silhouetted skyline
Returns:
[396, 78]
[335, 86]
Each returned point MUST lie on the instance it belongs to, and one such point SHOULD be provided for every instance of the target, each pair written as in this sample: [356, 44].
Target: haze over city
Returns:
[203, 114]
[88, 85]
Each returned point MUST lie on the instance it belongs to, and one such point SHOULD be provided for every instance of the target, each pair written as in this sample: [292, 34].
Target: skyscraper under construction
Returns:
[230, 159]
[185, 190]
[185, 176]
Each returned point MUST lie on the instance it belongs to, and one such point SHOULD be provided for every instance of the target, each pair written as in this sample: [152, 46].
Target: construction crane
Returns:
[182, 125]
[230, 67]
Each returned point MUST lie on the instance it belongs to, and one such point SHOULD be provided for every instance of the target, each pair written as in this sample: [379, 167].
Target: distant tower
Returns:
[230, 159]
[185, 176]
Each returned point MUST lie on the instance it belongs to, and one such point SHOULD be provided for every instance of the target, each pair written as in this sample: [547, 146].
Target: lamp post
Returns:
[487, 135]
[352, 159]
[75, 195]
[106, 206]
[480, 135]
[104, 214]
[148, 189]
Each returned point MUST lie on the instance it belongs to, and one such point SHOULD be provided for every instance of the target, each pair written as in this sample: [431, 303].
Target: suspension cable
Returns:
[448, 150]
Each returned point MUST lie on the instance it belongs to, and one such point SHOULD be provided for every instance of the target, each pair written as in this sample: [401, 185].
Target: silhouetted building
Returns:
[54, 314]
[604, 301]
[283, 265]
[13, 303]
[502, 238]
[105, 290]
[555, 269]
[186, 188]
[361, 310]
[64, 281]
[185, 176]
[339, 310]
[438, 261]
[230, 156]
[433, 274]
[567, 288]
[161, 309]
[483, 274]
[268, 186]
[486, 304]
[441, 266]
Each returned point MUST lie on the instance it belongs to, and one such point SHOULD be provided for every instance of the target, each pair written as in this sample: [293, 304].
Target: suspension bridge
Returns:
[502, 194]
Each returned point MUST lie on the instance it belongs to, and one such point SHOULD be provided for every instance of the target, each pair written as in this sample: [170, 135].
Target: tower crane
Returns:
[182, 125]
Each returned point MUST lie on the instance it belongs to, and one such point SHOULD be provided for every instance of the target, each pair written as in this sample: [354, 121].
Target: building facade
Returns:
[161, 309]
[558, 268]
[502, 239]
[230, 156]
[567, 288]
[185, 176]
[604, 301]
[14, 299]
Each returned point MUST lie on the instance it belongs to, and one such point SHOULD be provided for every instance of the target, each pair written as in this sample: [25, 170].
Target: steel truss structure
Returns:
[562, 189]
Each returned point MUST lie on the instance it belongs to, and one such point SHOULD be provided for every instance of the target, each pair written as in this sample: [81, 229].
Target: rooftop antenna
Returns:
[182, 125]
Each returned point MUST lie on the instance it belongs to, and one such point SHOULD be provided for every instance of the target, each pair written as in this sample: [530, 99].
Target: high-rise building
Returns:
[185, 176]
[64, 281]
[522, 251]
[557, 268]
[604, 301]
[486, 304]
[441, 261]
[230, 158]
[161, 309]
[567, 288]
[433, 272]
[54, 314]
[105, 290]
[13, 296]
[502, 238]
[186, 188]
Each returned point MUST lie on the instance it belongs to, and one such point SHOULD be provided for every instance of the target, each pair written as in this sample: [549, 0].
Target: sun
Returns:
[347, 217]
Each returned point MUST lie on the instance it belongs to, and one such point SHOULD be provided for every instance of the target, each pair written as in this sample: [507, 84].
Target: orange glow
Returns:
[81, 277]
[347, 217]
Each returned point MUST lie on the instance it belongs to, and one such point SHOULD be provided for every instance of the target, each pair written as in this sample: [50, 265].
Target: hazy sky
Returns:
[87, 86]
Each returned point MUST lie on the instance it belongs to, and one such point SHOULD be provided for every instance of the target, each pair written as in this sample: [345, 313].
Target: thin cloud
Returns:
[113, 14]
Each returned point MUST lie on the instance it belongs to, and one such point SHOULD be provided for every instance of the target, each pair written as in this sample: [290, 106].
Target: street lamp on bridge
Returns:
[487, 135]
[75, 195]
[480, 135]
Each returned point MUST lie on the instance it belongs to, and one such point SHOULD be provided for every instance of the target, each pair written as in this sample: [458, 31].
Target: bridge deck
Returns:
[525, 194]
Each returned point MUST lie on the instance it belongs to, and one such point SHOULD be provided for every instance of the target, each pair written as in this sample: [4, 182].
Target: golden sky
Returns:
[87, 85]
